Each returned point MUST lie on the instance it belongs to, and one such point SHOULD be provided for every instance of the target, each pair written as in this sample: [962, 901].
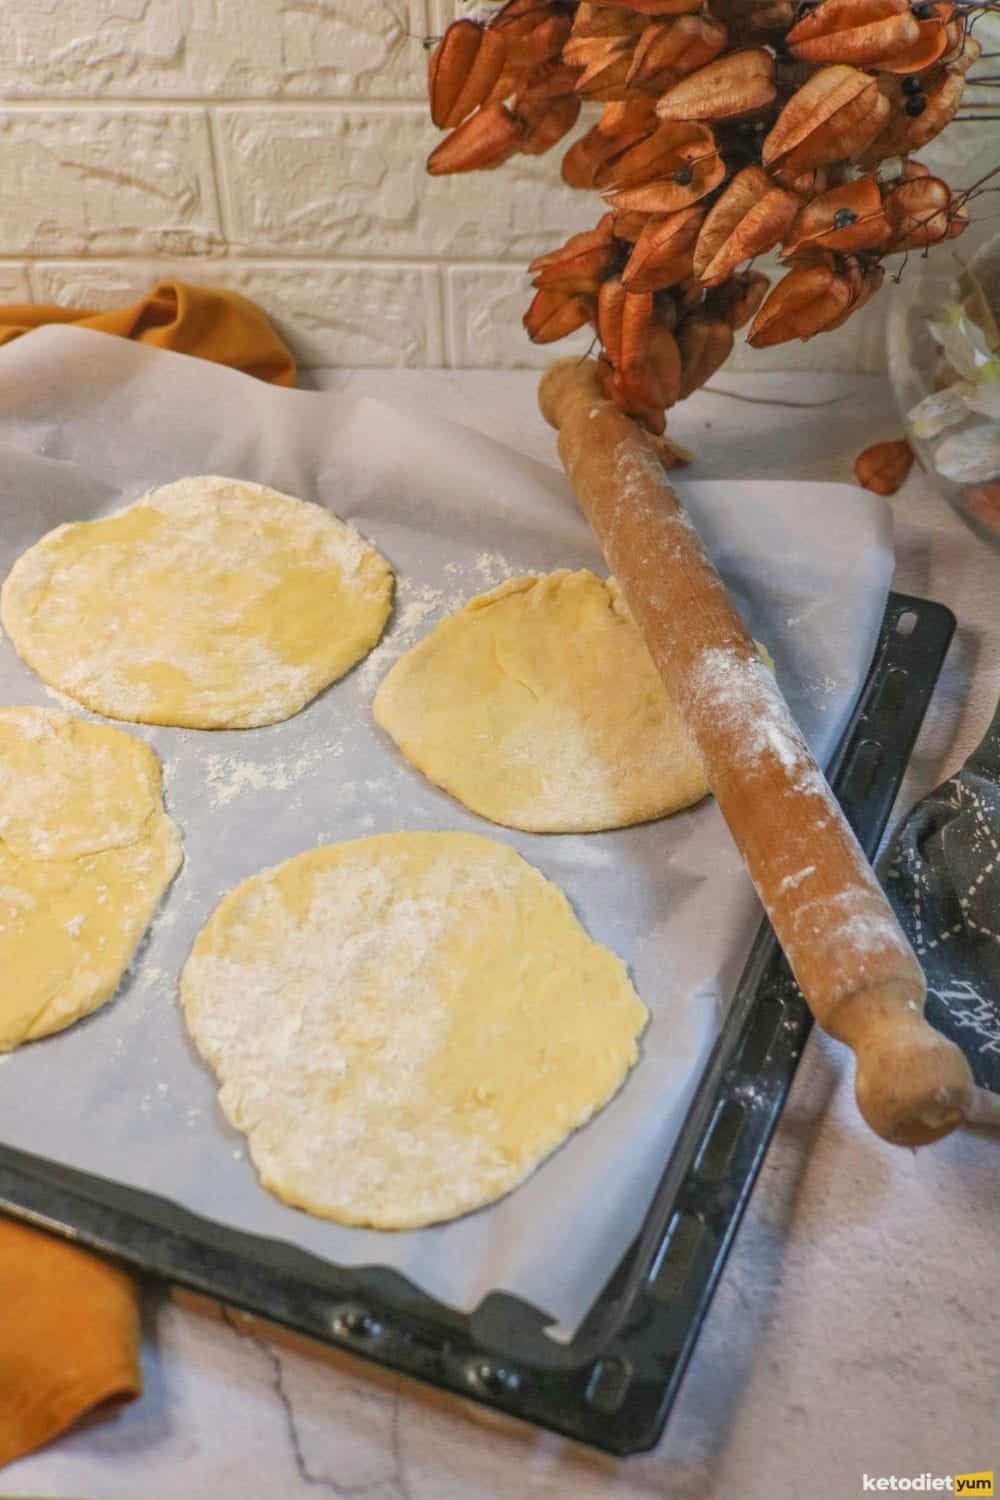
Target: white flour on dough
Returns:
[538, 706]
[86, 853]
[211, 603]
[405, 1026]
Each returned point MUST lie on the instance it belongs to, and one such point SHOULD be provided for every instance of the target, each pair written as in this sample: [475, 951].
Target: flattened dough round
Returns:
[539, 707]
[86, 853]
[405, 1025]
[210, 603]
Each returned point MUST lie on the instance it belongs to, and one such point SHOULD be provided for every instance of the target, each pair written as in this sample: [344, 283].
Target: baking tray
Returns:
[613, 1384]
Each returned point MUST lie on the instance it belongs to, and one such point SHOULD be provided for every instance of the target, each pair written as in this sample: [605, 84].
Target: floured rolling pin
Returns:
[848, 953]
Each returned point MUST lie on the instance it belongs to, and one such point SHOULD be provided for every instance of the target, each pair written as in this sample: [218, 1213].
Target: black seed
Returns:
[844, 218]
[923, 12]
[684, 176]
[912, 85]
[916, 106]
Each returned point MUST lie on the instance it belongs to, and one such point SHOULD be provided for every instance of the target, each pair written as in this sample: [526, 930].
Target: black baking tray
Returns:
[613, 1385]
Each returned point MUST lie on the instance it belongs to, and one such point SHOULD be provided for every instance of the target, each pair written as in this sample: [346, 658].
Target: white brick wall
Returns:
[273, 146]
[277, 146]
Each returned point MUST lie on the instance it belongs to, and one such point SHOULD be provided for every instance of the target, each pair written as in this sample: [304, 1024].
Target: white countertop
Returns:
[856, 1329]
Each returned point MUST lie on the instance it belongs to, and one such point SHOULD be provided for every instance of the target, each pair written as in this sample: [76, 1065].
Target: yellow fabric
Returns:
[69, 1338]
[69, 1322]
[206, 321]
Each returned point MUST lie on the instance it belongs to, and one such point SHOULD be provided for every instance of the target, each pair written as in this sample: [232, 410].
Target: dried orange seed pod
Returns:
[863, 288]
[546, 122]
[606, 20]
[550, 80]
[610, 311]
[920, 212]
[883, 467]
[629, 226]
[484, 140]
[864, 33]
[637, 320]
[737, 299]
[931, 44]
[750, 218]
[663, 356]
[653, 383]
[605, 75]
[581, 264]
[804, 302]
[582, 51]
[668, 50]
[630, 395]
[620, 126]
[907, 132]
[463, 69]
[847, 219]
[663, 7]
[663, 253]
[803, 184]
[700, 173]
[740, 83]
[533, 35]
[705, 344]
[832, 117]
[668, 149]
[965, 50]
[553, 315]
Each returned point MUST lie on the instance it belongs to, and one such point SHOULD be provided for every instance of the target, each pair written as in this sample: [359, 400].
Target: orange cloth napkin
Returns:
[69, 1322]
[202, 320]
[69, 1337]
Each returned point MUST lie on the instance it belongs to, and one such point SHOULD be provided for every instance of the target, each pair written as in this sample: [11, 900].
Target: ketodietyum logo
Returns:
[973, 1486]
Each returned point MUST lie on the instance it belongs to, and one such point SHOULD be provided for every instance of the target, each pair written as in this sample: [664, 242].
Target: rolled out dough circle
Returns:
[538, 706]
[210, 603]
[405, 1025]
[86, 853]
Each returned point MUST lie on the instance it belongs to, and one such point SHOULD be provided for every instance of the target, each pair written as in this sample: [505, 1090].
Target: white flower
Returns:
[970, 457]
[963, 341]
[984, 396]
[940, 410]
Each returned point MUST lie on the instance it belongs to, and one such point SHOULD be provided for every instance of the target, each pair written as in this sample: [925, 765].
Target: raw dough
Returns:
[406, 1025]
[538, 706]
[210, 603]
[86, 852]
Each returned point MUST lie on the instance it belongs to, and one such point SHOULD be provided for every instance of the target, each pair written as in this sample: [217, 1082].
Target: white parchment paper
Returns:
[87, 424]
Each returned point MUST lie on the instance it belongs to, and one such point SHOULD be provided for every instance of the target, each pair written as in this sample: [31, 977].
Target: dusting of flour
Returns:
[740, 694]
[419, 606]
[379, 1012]
[228, 776]
[210, 602]
[416, 604]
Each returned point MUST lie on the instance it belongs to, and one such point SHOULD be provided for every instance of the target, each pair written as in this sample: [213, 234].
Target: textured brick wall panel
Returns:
[101, 181]
[352, 182]
[485, 305]
[14, 284]
[146, 49]
[331, 313]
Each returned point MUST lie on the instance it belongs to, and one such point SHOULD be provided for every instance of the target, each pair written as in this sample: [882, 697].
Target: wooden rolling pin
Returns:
[848, 953]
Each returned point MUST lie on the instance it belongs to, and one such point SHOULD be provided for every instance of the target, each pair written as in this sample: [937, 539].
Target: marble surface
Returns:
[855, 1329]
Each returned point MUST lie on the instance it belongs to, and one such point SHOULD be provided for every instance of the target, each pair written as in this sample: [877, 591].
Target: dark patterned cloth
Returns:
[942, 875]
